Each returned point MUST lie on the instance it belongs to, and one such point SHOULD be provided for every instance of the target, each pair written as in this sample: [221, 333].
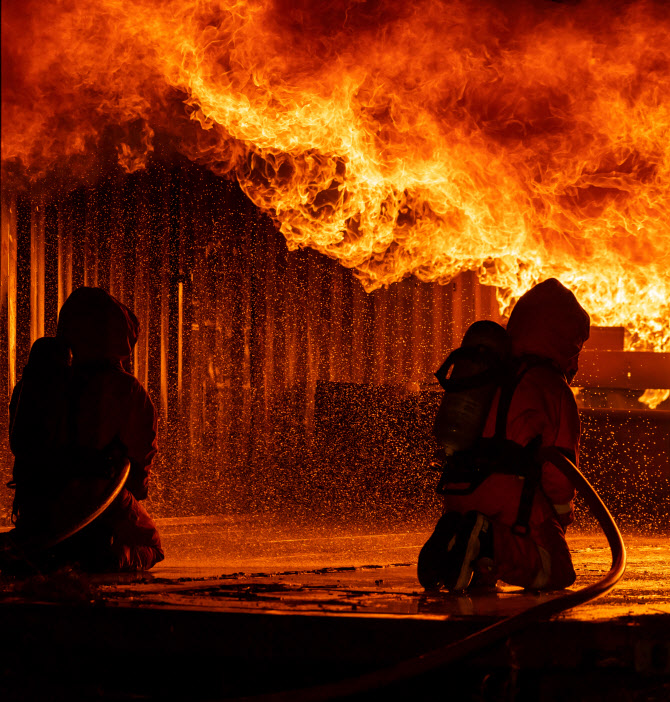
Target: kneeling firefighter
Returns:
[508, 395]
[77, 417]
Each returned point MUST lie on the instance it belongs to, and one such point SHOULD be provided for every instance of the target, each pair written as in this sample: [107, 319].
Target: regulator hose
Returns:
[18, 546]
[446, 655]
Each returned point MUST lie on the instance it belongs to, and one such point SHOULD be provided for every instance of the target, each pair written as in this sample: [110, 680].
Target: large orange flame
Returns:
[422, 138]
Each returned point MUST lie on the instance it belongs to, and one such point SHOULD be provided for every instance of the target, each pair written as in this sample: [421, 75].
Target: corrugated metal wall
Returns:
[232, 322]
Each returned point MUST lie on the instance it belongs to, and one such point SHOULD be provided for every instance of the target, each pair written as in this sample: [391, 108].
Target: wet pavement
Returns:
[240, 565]
[218, 563]
[307, 604]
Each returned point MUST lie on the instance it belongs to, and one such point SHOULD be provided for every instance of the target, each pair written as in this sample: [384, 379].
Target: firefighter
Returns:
[79, 413]
[480, 538]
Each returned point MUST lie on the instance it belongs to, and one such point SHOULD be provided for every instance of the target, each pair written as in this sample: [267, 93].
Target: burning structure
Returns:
[306, 204]
[301, 202]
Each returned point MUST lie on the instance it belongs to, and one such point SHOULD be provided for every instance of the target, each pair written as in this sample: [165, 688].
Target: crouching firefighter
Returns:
[77, 419]
[507, 394]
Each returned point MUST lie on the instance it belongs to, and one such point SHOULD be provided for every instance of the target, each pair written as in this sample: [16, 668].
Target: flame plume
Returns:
[421, 138]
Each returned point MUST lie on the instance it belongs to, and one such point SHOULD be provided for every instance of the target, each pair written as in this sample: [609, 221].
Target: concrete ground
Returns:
[209, 560]
[255, 608]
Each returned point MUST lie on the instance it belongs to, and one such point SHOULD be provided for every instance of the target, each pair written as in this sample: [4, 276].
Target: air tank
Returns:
[470, 376]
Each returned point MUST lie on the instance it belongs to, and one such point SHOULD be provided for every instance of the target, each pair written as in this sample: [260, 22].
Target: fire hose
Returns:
[452, 652]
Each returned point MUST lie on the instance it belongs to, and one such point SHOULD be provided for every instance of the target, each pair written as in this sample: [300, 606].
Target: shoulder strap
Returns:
[519, 368]
[507, 390]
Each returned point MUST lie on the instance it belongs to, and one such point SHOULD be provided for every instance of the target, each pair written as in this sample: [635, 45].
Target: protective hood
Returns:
[548, 321]
[96, 326]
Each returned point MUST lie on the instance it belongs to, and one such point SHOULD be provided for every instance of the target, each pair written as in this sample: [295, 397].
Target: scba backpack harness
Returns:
[472, 376]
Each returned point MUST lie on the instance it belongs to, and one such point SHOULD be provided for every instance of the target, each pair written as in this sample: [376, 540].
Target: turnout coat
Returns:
[547, 323]
[64, 417]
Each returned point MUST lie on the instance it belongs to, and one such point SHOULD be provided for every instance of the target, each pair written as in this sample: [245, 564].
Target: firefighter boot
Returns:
[472, 546]
[432, 566]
